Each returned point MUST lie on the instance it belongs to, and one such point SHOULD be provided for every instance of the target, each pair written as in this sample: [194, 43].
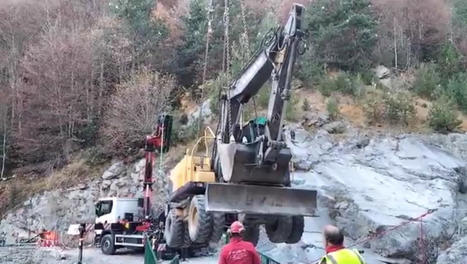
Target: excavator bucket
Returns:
[255, 199]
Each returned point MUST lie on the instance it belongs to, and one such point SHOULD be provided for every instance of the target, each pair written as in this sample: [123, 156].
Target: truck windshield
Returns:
[103, 207]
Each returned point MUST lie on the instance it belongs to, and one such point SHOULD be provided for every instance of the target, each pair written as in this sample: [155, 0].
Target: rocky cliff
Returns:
[367, 185]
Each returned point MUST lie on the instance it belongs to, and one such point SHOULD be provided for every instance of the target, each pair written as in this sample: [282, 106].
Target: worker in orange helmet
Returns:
[238, 251]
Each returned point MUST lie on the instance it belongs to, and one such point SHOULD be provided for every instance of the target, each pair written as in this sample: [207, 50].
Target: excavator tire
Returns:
[186, 236]
[298, 224]
[174, 229]
[199, 221]
[251, 234]
[218, 220]
[279, 231]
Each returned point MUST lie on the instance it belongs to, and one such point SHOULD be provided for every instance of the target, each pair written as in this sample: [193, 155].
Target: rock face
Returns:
[56, 210]
[372, 187]
[456, 254]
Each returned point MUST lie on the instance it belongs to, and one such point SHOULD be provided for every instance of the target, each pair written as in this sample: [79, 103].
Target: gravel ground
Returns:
[35, 255]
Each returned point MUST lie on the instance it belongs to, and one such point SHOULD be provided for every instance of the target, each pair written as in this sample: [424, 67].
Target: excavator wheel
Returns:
[174, 229]
[218, 221]
[251, 234]
[199, 221]
[298, 224]
[279, 230]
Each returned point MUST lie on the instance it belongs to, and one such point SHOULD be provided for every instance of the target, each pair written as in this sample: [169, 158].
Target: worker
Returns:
[336, 253]
[238, 251]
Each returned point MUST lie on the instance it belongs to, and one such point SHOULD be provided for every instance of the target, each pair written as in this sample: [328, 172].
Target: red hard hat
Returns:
[236, 227]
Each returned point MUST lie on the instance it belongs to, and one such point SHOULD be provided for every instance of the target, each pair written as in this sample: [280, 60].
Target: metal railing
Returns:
[265, 259]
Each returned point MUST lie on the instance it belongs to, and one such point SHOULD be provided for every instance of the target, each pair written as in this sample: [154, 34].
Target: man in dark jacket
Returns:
[238, 251]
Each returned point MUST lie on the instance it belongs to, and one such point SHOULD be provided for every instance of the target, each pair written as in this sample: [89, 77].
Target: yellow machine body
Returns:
[194, 167]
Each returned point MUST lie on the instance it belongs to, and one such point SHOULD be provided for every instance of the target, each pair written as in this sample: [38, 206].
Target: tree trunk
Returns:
[4, 148]
[395, 44]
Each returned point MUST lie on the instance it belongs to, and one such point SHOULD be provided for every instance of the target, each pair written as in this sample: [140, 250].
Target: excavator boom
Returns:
[252, 160]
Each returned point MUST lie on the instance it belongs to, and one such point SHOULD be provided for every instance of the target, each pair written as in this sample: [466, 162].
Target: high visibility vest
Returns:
[343, 256]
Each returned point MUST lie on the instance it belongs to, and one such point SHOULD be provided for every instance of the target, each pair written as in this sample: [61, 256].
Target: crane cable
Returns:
[210, 11]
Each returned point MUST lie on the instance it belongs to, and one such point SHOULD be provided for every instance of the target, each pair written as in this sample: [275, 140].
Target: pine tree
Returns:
[342, 32]
[189, 55]
[146, 32]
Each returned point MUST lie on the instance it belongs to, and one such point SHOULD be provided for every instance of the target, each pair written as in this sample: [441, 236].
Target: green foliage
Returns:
[374, 108]
[291, 111]
[342, 32]
[443, 117]
[449, 61]
[309, 70]
[460, 12]
[427, 80]
[188, 63]
[457, 89]
[263, 96]
[213, 88]
[145, 31]
[332, 106]
[399, 107]
[343, 83]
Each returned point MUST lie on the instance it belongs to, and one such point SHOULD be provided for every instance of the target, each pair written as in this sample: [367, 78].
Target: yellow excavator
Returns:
[243, 173]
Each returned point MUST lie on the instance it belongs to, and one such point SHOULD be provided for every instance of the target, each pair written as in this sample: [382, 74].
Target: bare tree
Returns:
[411, 30]
[134, 108]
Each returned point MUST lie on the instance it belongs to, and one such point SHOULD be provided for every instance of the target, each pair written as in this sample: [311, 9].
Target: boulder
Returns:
[315, 119]
[206, 112]
[336, 127]
[456, 254]
[114, 171]
[382, 72]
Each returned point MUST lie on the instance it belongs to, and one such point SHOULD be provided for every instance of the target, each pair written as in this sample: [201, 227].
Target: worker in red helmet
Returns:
[238, 251]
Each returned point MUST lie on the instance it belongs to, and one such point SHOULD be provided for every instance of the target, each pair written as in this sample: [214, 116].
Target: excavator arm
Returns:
[251, 160]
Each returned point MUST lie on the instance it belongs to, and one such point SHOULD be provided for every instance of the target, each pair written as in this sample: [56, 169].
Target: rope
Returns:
[377, 235]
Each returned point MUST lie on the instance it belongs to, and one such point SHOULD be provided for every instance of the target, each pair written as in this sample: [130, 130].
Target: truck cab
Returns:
[112, 210]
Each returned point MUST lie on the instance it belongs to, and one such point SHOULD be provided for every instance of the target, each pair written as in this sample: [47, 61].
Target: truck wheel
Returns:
[298, 224]
[107, 244]
[199, 221]
[279, 230]
[173, 232]
[218, 228]
[251, 234]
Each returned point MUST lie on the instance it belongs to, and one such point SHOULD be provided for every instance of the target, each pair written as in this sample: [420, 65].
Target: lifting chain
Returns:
[227, 60]
[226, 65]
[246, 40]
[210, 11]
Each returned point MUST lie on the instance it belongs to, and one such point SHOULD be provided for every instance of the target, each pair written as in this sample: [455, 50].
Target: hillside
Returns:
[379, 93]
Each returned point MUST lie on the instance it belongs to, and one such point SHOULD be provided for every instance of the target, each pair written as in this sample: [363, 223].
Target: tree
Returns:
[188, 64]
[410, 31]
[442, 116]
[342, 33]
[4, 134]
[134, 108]
[146, 33]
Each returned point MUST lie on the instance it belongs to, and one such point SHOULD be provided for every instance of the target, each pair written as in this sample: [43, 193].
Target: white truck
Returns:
[114, 226]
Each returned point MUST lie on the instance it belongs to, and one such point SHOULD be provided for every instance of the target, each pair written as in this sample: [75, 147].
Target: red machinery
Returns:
[158, 141]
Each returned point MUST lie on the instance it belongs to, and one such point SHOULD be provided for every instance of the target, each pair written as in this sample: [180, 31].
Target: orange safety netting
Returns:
[48, 239]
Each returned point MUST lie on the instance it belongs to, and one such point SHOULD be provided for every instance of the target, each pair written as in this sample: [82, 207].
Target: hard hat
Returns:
[236, 227]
